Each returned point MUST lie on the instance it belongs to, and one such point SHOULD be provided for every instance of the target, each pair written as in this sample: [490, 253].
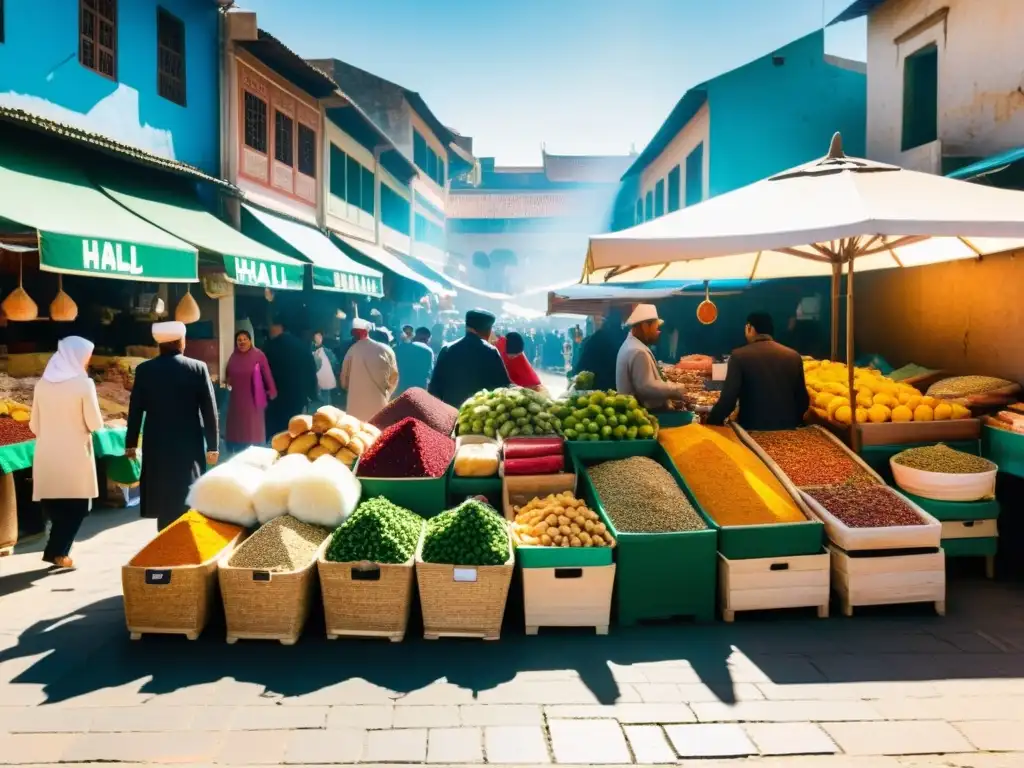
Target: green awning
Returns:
[178, 210]
[389, 261]
[332, 269]
[81, 230]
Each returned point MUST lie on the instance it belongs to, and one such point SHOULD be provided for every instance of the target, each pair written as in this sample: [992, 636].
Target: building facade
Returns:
[141, 72]
[773, 113]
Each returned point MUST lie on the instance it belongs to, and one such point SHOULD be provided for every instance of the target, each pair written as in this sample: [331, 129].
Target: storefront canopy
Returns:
[332, 269]
[81, 230]
[178, 211]
[390, 262]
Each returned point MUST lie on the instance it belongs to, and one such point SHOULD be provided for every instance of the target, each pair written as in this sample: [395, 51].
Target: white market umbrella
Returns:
[811, 220]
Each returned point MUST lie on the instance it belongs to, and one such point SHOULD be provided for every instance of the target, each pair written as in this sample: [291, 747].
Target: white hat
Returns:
[644, 313]
[359, 324]
[171, 331]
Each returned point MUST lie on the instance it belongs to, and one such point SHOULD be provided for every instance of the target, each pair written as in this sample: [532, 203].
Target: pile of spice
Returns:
[731, 484]
[192, 539]
[641, 496]
[284, 544]
[942, 458]
[408, 449]
[13, 431]
[809, 457]
[866, 506]
[964, 386]
[419, 404]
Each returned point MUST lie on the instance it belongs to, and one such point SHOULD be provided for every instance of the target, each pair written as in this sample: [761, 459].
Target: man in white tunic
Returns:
[369, 373]
[636, 371]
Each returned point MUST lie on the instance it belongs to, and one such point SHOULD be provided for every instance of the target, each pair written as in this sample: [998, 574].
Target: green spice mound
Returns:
[377, 532]
[942, 458]
[471, 534]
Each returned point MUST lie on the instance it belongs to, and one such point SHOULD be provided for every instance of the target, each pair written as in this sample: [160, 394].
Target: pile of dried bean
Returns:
[641, 496]
[283, 544]
[942, 458]
[810, 458]
[866, 506]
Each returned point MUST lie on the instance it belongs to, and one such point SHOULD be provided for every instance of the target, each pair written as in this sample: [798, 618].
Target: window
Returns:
[649, 206]
[1, 21]
[355, 171]
[255, 122]
[695, 175]
[97, 36]
[429, 232]
[659, 199]
[307, 151]
[427, 160]
[419, 150]
[367, 187]
[339, 160]
[284, 150]
[170, 57]
[394, 210]
[674, 190]
[921, 97]
[639, 211]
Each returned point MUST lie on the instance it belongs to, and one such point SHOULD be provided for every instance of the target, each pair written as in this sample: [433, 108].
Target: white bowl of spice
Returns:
[944, 474]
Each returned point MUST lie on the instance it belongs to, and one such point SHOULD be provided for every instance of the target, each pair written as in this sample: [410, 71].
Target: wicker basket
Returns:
[366, 599]
[463, 601]
[267, 605]
[172, 601]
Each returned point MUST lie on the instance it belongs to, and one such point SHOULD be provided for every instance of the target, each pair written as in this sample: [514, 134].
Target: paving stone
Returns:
[254, 747]
[338, 745]
[952, 708]
[355, 691]
[437, 694]
[852, 691]
[427, 717]
[186, 747]
[694, 692]
[972, 760]
[277, 718]
[790, 739]
[723, 740]
[659, 693]
[897, 738]
[784, 711]
[34, 747]
[158, 719]
[552, 692]
[994, 735]
[516, 745]
[588, 742]
[45, 719]
[455, 745]
[501, 714]
[405, 745]
[368, 717]
[638, 714]
[649, 744]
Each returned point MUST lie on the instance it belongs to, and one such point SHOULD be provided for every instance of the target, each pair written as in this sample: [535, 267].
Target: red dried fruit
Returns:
[810, 458]
[866, 506]
[419, 404]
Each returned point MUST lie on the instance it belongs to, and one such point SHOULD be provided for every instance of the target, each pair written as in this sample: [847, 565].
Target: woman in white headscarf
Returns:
[65, 413]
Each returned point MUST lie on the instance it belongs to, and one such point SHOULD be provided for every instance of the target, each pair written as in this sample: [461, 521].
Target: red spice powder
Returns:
[419, 404]
[407, 449]
[12, 432]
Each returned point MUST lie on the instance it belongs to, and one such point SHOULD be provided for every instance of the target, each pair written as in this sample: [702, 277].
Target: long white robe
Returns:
[370, 375]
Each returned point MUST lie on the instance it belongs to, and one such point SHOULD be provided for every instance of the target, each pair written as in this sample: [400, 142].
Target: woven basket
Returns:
[267, 605]
[366, 599]
[172, 601]
[463, 601]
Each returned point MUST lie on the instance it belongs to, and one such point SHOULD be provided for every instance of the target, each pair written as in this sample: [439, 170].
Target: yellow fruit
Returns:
[879, 414]
[924, 413]
[864, 390]
[862, 415]
[913, 402]
[864, 399]
[841, 414]
[834, 388]
[21, 415]
[930, 401]
[901, 413]
[904, 397]
[961, 412]
[835, 404]
[821, 413]
[823, 399]
[943, 411]
[884, 398]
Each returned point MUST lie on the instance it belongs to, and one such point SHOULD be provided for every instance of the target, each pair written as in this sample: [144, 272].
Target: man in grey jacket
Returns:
[636, 370]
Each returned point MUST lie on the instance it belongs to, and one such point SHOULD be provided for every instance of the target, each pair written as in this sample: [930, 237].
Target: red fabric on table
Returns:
[519, 369]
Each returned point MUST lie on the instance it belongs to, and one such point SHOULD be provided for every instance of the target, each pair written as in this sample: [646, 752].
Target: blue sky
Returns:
[580, 76]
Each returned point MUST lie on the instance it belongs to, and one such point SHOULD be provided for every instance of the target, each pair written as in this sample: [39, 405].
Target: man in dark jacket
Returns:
[294, 373]
[766, 378]
[175, 396]
[600, 350]
[470, 364]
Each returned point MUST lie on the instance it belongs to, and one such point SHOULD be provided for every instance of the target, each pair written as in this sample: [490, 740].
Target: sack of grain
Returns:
[326, 495]
[226, 493]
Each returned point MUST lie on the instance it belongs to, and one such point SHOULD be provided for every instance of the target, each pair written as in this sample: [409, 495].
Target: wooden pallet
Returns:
[773, 583]
[889, 579]
[394, 637]
[974, 529]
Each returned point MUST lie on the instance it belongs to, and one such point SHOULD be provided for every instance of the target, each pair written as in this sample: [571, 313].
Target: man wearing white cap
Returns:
[636, 370]
[174, 394]
[369, 373]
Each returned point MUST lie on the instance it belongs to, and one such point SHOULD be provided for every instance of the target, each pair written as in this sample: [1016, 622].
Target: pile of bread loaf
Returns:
[328, 432]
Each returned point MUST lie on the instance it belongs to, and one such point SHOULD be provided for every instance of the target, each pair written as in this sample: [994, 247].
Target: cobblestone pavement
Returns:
[885, 689]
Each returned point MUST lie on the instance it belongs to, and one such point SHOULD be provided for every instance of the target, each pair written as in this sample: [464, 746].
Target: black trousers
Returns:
[66, 516]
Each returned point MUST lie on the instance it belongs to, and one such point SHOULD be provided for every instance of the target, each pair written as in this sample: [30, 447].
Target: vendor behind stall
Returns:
[766, 378]
[636, 370]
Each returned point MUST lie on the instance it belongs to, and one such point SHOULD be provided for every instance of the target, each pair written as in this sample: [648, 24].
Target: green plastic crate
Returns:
[595, 451]
[659, 575]
[459, 488]
[956, 510]
[984, 547]
[424, 496]
[1004, 448]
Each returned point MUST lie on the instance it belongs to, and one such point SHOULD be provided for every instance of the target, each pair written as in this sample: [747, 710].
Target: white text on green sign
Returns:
[105, 256]
[253, 272]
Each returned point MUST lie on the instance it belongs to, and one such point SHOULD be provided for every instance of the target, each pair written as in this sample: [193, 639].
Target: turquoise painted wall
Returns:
[40, 73]
[767, 116]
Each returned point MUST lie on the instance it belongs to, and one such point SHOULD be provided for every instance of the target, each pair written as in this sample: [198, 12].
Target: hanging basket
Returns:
[707, 312]
[63, 308]
[216, 285]
[187, 310]
[18, 306]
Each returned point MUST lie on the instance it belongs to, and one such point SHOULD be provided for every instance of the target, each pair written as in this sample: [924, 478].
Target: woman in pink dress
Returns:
[252, 384]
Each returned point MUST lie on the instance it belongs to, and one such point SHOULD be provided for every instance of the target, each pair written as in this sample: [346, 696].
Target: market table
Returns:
[107, 442]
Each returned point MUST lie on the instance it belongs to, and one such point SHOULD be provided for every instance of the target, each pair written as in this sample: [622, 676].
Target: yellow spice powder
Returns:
[190, 540]
[730, 482]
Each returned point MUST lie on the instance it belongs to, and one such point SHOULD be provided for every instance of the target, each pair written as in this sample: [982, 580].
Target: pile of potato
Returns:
[329, 431]
[560, 520]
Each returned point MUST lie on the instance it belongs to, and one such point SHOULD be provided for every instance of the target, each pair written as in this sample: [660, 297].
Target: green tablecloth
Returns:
[107, 442]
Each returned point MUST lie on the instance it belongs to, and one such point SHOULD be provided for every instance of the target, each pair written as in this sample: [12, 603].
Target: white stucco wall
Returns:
[981, 77]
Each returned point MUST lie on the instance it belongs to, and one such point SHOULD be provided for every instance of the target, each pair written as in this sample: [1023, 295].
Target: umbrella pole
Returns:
[837, 277]
[849, 250]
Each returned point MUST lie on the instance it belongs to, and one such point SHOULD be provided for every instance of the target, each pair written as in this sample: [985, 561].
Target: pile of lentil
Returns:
[408, 449]
[964, 386]
[192, 539]
[419, 404]
[866, 506]
[641, 496]
[809, 458]
[284, 544]
[731, 484]
[942, 458]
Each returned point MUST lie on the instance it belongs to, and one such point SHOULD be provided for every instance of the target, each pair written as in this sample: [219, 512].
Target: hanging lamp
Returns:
[187, 310]
[707, 312]
[18, 306]
[63, 308]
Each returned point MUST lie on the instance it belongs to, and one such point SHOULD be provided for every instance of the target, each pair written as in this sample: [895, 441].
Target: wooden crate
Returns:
[771, 583]
[568, 597]
[889, 579]
[958, 531]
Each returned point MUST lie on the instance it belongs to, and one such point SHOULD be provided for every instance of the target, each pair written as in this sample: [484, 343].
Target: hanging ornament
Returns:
[707, 312]
[216, 285]
[187, 310]
[18, 306]
[63, 308]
